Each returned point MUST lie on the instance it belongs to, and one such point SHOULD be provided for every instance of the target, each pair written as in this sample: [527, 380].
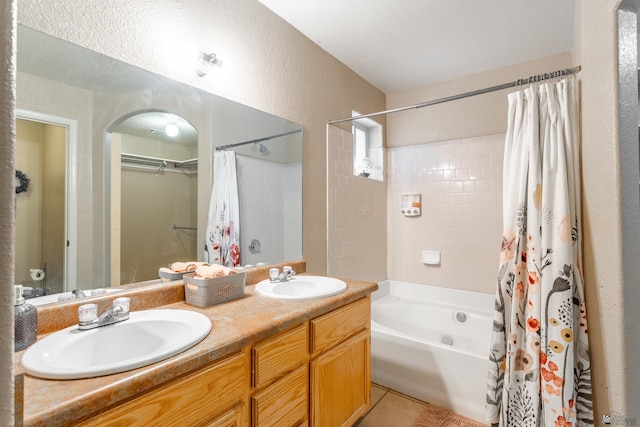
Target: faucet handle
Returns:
[87, 313]
[288, 271]
[123, 303]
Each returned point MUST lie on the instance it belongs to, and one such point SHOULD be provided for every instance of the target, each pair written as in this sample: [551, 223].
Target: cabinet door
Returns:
[284, 403]
[193, 400]
[341, 383]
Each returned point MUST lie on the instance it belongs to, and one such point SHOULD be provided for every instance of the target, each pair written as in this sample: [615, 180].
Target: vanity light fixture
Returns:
[205, 60]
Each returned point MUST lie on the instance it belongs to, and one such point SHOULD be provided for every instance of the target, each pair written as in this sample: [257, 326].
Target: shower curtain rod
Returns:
[254, 141]
[519, 82]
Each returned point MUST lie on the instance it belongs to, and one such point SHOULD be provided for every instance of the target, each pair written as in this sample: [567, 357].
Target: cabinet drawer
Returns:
[337, 326]
[192, 400]
[277, 356]
[284, 403]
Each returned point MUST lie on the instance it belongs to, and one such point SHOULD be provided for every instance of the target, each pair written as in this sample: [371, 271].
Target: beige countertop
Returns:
[235, 325]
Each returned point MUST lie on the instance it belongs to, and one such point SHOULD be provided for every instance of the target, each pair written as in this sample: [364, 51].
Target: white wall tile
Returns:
[462, 212]
[356, 212]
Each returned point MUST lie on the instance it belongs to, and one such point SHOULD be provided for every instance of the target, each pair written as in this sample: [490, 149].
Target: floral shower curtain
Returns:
[539, 370]
[222, 245]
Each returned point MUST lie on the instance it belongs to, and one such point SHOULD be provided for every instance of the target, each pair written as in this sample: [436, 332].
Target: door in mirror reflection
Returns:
[154, 217]
[40, 205]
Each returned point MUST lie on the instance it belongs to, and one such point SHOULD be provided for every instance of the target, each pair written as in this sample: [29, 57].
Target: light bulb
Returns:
[171, 130]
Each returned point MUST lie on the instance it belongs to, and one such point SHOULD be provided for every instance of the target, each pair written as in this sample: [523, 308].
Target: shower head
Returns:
[263, 149]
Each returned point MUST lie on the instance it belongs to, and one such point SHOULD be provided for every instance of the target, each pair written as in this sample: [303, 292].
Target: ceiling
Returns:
[399, 45]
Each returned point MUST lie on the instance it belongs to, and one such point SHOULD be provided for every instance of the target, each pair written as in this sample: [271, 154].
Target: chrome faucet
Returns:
[287, 274]
[88, 314]
[78, 293]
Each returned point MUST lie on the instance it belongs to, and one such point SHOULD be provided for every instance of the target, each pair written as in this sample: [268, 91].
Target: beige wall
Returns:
[465, 118]
[147, 237]
[29, 205]
[40, 220]
[148, 240]
[596, 50]
[54, 171]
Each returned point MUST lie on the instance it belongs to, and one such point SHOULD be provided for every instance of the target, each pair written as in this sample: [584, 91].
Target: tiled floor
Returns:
[391, 409]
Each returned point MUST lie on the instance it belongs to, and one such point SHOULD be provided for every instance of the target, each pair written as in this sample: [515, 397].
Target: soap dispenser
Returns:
[26, 322]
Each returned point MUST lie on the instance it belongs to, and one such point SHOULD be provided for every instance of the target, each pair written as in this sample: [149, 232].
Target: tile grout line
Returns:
[386, 391]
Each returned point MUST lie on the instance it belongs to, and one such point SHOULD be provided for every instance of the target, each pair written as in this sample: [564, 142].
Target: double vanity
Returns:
[269, 360]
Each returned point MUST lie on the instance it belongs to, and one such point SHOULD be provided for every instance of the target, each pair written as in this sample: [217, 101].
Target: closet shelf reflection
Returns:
[157, 162]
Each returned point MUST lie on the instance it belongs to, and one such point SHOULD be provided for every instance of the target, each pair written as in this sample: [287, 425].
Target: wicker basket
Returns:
[206, 292]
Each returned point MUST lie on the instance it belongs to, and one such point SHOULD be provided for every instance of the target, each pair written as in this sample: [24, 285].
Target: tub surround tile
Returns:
[458, 179]
[235, 325]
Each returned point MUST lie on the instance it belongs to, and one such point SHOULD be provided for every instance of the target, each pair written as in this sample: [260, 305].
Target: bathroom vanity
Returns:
[266, 362]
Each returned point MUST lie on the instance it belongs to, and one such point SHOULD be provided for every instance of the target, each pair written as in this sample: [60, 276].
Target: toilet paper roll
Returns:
[37, 274]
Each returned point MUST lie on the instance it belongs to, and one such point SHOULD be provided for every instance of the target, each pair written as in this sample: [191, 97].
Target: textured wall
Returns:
[7, 198]
[596, 50]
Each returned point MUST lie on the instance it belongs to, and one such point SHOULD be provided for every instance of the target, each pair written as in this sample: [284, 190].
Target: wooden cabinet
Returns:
[284, 403]
[340, 372]
[280, 377]
[212, 396]
[314, 374]
[318, 373]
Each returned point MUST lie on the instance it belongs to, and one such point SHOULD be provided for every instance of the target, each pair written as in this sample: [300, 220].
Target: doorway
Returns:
[45, 256]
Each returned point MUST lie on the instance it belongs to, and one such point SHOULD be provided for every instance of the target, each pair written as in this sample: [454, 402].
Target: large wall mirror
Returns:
[129, 198]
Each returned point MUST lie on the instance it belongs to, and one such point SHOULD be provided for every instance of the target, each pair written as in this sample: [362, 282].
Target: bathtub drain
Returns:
[446, 339]
[461, 317]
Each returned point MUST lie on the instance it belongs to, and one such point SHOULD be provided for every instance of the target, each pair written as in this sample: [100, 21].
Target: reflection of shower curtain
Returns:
[223, 227]
[540, 372]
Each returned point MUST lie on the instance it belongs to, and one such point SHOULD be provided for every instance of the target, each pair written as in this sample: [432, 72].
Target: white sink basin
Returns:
[147, 337]
[302, 287]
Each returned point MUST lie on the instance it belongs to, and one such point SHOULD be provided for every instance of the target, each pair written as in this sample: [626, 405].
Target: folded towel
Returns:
[186, 267]
[211, 271]
[166, 270]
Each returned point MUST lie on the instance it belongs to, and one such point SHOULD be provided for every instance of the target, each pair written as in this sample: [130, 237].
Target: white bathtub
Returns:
[432, 343]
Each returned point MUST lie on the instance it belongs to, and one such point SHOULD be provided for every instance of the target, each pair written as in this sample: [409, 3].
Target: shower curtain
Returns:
[222, 245]
[539, 370]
